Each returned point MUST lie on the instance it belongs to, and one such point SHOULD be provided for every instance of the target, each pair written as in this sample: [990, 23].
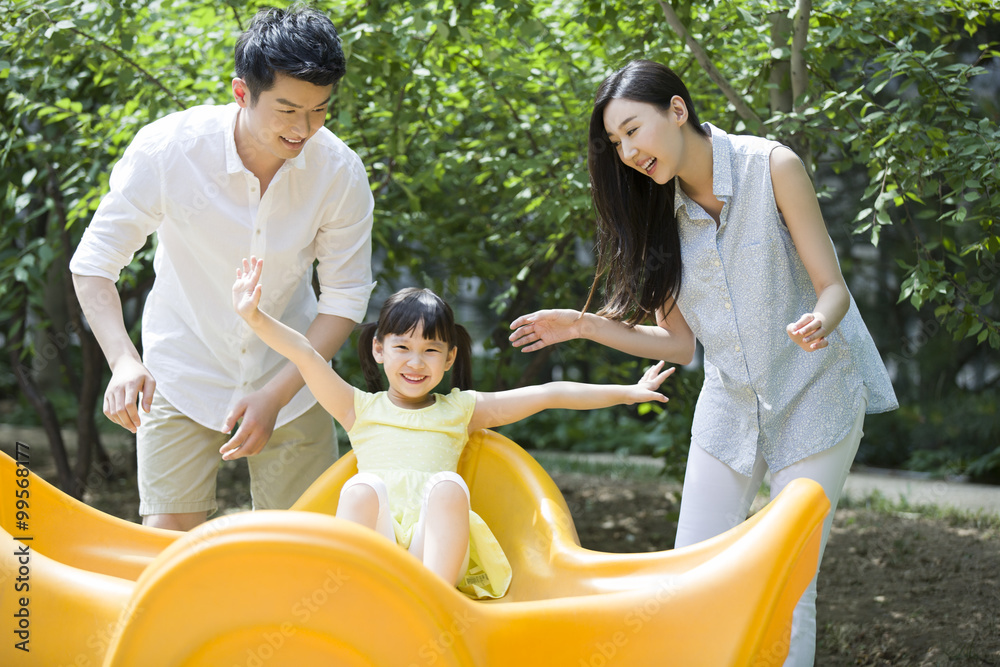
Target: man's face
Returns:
[284, 117]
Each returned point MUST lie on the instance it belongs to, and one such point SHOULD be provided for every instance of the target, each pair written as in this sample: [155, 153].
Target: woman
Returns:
[720, 239]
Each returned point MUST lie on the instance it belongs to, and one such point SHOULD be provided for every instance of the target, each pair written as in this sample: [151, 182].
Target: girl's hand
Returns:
[247, 289]
[645, 390]
[545, 327]
[808, 332]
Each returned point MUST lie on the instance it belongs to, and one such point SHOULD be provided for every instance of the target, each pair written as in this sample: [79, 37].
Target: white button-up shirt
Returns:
[183, 179]
[741, 284]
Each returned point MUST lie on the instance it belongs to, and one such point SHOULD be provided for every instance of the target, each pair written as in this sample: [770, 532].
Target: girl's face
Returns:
[647, 139]
[413, 365]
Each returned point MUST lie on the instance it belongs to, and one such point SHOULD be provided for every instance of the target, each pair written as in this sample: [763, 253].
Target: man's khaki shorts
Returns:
[179, 460]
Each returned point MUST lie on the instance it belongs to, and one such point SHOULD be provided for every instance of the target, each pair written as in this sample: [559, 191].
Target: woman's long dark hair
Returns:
[400, 314]
[638, 244]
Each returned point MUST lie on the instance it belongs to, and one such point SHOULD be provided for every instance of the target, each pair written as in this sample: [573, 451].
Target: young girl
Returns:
[720, 239]
[408, 440]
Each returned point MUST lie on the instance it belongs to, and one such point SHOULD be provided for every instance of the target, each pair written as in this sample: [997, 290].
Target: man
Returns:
[259, 177]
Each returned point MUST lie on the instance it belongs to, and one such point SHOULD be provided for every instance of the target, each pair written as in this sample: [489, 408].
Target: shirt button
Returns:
[243, 351]
[737, 348]
[258, 232]
[718, 263]
[728, 305]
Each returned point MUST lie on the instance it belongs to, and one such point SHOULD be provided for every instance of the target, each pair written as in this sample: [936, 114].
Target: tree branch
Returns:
[742, 108]
[121, 54]
[503, 99]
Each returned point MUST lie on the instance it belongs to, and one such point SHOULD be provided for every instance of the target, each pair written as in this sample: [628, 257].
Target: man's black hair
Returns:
[299, 42]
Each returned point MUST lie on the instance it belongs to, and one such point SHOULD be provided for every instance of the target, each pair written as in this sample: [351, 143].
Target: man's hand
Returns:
[128, 379]
[257, 413]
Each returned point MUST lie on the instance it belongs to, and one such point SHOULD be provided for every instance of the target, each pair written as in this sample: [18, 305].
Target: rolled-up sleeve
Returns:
[344, 247]
[126, 216]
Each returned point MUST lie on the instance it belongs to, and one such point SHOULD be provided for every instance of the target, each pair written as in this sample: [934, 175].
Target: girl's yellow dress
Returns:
[405, 448]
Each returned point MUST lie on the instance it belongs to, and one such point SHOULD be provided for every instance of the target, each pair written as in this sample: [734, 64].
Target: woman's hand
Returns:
[646, 389]
[808, 332]
[546, 327]
[247, 288]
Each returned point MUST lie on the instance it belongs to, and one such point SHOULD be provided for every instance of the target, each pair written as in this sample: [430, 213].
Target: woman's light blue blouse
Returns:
[741, 284]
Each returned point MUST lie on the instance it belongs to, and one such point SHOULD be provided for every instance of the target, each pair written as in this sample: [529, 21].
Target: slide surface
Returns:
[302, 587]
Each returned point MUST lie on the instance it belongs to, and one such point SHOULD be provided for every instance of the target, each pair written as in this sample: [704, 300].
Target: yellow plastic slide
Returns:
[301, 587]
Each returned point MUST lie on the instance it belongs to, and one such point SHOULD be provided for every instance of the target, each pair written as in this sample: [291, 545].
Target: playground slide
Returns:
[302, 587]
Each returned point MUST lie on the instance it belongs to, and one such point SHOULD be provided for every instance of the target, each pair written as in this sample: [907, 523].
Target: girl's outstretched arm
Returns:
[506, 407]
[331, 390]
[796, 199]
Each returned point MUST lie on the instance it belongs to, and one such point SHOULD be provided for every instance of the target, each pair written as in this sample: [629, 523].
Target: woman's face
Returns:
[647, 139]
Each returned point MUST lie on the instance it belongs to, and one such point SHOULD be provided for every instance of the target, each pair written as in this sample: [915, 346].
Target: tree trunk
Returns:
[43, 407]
[780, 79]
[800, 73]
[800, 37]
[517, 306]
[88, 387]
[742, 108]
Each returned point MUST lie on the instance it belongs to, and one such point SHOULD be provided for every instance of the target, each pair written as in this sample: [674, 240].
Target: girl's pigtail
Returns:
[461, 370]
[373, 376]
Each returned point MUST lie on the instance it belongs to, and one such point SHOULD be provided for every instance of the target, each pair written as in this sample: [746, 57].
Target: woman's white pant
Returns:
[383, 524]
[716, 498]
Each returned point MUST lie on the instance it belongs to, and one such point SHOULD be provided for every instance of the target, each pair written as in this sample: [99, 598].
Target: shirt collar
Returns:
[722, 170]
[299, 161]
[234, 164]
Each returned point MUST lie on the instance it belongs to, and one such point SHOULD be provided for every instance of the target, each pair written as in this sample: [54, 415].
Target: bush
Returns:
[958, 435]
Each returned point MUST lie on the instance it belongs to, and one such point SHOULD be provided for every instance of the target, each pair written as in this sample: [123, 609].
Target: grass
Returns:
[602, 465]
[628, 468]
[956, 518]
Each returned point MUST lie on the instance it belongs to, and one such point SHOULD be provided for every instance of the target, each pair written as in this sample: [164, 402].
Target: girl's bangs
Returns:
[423, 308]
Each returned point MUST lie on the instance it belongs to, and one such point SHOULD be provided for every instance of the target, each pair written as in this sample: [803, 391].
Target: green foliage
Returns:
[956, 436]
[77, 80]
[471, 118]
[894, 97]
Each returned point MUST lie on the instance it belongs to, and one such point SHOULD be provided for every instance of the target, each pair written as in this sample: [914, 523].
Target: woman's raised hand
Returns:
[545, 327]
[808, 332]
[247, 289]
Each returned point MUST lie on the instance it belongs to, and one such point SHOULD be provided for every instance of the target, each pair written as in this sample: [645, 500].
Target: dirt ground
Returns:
[896, 589]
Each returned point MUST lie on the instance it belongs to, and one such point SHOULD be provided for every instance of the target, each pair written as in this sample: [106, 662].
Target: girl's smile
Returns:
[414, 366]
